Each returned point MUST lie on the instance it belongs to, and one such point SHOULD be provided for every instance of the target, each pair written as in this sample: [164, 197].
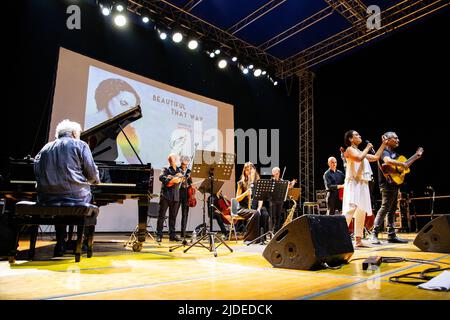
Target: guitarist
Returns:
[389, 189]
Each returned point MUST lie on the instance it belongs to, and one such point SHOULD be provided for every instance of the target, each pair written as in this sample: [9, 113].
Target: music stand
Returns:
[212, 166]
[205, 188]
[269, 190]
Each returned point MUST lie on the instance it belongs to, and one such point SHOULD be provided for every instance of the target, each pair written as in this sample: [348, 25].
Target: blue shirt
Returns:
[64, 168]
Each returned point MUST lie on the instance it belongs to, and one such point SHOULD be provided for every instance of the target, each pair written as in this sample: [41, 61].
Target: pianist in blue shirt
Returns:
[64, 170]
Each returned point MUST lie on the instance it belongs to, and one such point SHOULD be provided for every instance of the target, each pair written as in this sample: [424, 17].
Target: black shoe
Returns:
[176, 239]
[396, 239]
[158, 238]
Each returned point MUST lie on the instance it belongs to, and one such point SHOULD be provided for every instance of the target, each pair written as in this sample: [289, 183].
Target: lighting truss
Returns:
[392, 18]
[170, 15]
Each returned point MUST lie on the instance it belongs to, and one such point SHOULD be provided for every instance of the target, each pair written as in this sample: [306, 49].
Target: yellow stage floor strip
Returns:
[156, 273]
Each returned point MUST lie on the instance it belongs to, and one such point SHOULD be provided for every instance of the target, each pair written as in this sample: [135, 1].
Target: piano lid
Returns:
[102, 138]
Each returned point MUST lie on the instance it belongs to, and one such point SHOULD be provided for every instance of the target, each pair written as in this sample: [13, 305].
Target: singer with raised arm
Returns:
[251, 210]
[356, 202]
[170, 177]
[390, 186]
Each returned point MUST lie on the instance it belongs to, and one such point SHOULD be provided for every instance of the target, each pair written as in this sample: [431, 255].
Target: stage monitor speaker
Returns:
[435, 236]
[310, 241]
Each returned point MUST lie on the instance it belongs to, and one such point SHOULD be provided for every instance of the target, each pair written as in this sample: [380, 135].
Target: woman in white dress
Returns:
[358, 173]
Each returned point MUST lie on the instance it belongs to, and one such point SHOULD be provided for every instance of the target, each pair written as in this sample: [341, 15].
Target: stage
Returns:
[157, 274]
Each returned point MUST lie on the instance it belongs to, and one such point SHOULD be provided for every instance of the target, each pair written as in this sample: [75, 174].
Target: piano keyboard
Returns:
[105, 184]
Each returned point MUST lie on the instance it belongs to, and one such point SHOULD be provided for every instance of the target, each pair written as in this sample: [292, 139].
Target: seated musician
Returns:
[64, 170]
[220, 207]
[253, 211]
[171, 177]
[333, 180]
[276, 207]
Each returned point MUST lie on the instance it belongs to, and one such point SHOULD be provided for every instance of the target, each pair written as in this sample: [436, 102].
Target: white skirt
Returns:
[356, 194]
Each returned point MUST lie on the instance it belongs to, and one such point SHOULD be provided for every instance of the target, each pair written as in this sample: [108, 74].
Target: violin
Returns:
[192, 201]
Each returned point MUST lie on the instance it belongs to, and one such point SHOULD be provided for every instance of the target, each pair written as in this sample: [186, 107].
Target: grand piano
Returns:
[119, 181]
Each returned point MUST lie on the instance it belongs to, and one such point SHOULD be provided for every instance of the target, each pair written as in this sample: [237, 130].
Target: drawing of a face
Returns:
[121, 103]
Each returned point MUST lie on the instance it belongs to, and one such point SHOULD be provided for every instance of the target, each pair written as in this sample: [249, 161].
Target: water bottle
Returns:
[194, 236]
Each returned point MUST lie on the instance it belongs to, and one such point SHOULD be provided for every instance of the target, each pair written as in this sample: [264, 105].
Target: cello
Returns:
[224, 205]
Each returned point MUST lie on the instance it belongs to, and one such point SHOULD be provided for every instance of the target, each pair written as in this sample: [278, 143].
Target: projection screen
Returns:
[173, 121]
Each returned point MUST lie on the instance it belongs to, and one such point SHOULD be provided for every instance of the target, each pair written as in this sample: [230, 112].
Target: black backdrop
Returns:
[399, 83]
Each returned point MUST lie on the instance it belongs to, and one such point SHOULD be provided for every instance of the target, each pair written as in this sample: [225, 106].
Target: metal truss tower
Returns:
[306, 131]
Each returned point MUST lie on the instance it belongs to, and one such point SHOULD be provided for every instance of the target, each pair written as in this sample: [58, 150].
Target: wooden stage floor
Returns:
[155, 273]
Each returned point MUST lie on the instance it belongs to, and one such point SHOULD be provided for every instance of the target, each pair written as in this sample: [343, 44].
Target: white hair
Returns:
[67, 127]
[330, 159]
[185, 159]
[275, 169]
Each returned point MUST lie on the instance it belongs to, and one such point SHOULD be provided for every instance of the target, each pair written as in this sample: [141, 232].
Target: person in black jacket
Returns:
[333, 180]
[171, 176]
[184, 196]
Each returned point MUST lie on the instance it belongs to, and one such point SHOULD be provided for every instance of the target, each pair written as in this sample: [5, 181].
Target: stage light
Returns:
[193, 44]
[212, 54]
[106, 11]
[162, 35]
[257, 72]
[119, 7]
[217, 51]
[177, 37]
[145, 19]
[105, 6]
[264, 73]
[120, 20]
[250, 66]
[275, 83]
[222, 63]
[245, 71]
[234, 59]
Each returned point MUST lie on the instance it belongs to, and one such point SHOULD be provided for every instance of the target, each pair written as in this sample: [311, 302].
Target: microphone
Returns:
[371, 149]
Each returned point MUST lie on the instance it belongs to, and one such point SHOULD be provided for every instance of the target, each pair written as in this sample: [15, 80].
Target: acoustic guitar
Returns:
[396, 174]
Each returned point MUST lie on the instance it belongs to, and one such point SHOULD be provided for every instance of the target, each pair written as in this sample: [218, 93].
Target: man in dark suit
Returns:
[170, 177]
[333, 180]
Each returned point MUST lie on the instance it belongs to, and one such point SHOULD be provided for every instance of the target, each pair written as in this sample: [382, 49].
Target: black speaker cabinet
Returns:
[435, 236]
[309, 241]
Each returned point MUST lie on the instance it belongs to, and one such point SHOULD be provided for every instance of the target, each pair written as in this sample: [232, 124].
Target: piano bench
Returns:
[83, 215]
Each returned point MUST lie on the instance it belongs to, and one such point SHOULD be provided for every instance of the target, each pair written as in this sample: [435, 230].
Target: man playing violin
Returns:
[170, 177]
[184, 197]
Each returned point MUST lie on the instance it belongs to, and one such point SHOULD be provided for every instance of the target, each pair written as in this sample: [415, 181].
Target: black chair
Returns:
[82, 215]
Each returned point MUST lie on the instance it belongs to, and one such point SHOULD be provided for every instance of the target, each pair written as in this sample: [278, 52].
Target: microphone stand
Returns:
[432, 203]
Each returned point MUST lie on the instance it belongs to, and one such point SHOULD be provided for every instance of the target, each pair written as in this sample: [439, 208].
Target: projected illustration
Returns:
[170, 123]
